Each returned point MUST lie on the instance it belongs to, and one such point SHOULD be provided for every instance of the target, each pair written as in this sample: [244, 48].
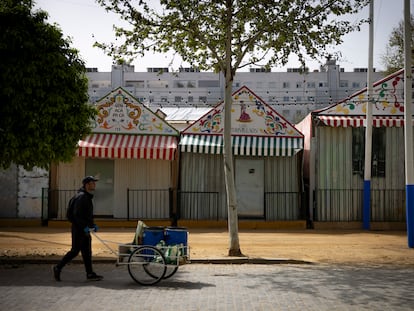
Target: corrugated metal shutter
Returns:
[339, 192]
[202, 192]
[282, 188]
[142, 175]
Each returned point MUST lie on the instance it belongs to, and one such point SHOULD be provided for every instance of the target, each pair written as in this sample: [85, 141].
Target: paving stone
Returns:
[210, 287]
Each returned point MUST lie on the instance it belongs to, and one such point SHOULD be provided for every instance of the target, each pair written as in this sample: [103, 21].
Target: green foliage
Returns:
[43, 95]
[393, 59]
[261, 32]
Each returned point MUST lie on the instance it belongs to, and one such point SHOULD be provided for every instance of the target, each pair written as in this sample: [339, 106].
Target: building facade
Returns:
[183, 97]
[293, 93]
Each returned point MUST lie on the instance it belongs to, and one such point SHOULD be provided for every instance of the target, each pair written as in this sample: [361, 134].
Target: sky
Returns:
[85, 22]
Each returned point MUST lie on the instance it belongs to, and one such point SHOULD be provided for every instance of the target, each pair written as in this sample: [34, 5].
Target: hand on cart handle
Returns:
[95, 228]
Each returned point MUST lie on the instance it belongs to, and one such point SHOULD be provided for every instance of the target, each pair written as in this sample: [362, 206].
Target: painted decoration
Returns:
[119, 112]
[250, 116]
[388, 99]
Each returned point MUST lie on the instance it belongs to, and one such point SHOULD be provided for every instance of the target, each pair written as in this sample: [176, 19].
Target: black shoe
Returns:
[94, 277]
[56, 273]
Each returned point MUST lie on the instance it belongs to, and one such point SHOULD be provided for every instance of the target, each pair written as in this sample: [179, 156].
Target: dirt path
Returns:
[318, 246]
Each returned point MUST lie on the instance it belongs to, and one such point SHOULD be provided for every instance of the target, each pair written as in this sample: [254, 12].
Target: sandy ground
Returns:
[316, 246]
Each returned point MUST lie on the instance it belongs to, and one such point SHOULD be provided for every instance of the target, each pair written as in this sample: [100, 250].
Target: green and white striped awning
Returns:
[242, 145]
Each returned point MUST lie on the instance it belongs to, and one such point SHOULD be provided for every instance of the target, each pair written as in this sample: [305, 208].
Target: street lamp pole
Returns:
[366, 214]
[408, 126]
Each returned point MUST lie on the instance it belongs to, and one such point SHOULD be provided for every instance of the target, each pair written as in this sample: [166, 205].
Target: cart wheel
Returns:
[146, 265]
[171, 270]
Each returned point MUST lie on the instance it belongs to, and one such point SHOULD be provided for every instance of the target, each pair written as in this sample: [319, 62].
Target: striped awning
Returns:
[118, 146]
[243, 145]
[359, 121]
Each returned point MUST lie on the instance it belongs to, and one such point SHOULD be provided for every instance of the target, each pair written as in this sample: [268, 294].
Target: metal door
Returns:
[250, 188]
[104, 193]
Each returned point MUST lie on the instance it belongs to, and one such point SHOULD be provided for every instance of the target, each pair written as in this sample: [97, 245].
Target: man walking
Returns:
[80, 214]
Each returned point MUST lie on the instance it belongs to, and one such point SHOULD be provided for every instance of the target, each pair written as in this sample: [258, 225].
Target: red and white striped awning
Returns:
[359, 121]
[118, 146]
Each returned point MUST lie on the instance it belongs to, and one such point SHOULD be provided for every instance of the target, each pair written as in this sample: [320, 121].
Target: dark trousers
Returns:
[81, 242]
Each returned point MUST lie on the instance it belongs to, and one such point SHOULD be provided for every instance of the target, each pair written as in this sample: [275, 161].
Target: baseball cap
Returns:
[89, 179]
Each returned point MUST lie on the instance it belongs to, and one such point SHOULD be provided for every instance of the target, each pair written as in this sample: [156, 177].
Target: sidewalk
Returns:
[345, 247]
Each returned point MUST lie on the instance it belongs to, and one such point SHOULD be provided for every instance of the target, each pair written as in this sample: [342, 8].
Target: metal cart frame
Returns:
[147, 264]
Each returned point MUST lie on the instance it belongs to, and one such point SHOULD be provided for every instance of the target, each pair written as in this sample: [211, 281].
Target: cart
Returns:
[149, 264]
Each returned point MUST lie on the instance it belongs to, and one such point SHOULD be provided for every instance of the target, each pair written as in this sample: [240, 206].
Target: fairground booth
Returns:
[133, 152]
[267, 152]
[335, 156]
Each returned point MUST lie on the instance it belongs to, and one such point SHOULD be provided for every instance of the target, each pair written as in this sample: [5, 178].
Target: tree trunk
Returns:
[234, 245]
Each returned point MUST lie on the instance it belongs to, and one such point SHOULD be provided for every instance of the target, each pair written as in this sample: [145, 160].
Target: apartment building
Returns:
[293, 93]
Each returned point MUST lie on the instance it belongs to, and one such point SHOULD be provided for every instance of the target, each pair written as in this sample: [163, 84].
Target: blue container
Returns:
[176, 235]
[152, 235]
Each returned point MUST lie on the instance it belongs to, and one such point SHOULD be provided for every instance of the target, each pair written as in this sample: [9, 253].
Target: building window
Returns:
[190, 99]
[157, 69]
[286, 98]
[184, 84]
[298, 85]
[179, 84]
[285, 85]
[137, 84]
[343, 83]
[191, 84]
[378, 151]
[157, 84]
[323, 84]
[209, 83]
[202, 99]
[189, 69]
[311, 85]
[355, 85]
[177, 99]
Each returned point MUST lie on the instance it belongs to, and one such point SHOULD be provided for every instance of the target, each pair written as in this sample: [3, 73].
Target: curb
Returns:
[247, 260]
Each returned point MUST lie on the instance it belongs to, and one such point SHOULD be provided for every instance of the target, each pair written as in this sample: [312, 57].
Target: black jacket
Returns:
[83, 210]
